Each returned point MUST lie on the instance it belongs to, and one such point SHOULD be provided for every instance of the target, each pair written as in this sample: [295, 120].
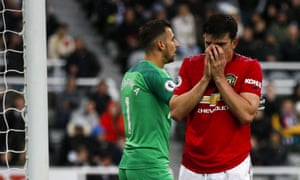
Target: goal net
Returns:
[23, 91]
[12, 107]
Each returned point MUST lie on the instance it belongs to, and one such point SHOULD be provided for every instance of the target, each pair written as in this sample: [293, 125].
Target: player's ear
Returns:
[160, 44]
[234, 43]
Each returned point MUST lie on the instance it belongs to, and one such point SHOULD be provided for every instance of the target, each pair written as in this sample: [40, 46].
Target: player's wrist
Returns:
[205, 79]
[219, 79]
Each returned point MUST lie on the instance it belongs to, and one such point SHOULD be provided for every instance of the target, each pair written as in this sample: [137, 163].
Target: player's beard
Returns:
[168, 56]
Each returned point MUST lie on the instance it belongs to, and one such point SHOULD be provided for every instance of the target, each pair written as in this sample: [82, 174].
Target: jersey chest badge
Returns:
[231, 79]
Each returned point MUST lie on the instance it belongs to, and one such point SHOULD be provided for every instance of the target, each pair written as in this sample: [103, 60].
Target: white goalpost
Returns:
[36, 89]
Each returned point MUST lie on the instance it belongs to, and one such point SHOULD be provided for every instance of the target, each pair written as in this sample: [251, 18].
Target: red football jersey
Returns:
[215, 140]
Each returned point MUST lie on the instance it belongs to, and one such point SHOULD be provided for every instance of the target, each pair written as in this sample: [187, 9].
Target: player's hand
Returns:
[207, 66]
[217, 61]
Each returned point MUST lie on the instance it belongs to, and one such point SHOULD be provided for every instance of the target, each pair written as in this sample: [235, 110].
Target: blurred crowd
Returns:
[276, 129]
[268, 29]
[86, 123]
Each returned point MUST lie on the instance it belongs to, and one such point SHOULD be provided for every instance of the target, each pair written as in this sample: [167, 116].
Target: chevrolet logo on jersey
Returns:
[211, 100]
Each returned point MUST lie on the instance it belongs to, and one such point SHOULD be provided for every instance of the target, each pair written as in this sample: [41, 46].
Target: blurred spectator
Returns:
[288, 119]
[197, 8]
[184, 25]
[296, 99]
[259, 26]
[142, 11]
[135, 56]
[13, 19]
[105, 14]
[275, 152]
[15, 59]
[86, 114]
[159, 12]
[102, 155]
[67, 101]
[270, 13]
[291, 46]
[11, 159]
[100, 96]
[80, 157]
[113, 16]
[101, 147]
[296, 93]
[232, 9]
[279, 27]
[261, 128]
[247, 8]
[52, 22]
[112, 122]
[21, 160]
[105, 162]
[113, 89]
[76, 145]
[272, 104]
[127, 37]
[247, 45]
[295, 10]
[271, 49]
[16, 125]
[6, 159]
[271, 153]
[103, 152]
[82, 62]
[52, 108]
[60, 44]
[114, 131]
[210, 9]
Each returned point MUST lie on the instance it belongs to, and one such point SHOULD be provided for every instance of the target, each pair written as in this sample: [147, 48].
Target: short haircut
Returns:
[150, 31]
[218, 25]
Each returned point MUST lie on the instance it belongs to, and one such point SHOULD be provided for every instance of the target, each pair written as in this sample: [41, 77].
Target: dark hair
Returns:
[151, 30]
[218, 25]
[63, 25]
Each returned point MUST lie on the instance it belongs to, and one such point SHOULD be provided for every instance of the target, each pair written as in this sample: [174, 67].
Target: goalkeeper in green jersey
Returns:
[145, 93]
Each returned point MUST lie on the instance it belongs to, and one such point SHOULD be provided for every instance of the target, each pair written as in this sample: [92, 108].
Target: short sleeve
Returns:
[184, 84]
[160, 84]
[253, 79]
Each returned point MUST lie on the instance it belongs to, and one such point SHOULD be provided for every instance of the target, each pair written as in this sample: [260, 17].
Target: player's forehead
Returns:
[169, 33]
[216, 39]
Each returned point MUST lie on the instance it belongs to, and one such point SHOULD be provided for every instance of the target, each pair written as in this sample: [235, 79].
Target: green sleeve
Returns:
[160, 84]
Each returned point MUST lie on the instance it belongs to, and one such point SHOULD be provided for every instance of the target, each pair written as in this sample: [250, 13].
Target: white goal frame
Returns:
[35, 67]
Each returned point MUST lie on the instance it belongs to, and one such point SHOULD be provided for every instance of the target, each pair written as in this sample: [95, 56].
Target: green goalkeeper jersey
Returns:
[145, 93]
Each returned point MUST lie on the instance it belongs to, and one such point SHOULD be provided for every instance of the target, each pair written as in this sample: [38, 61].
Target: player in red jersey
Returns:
[219, 95]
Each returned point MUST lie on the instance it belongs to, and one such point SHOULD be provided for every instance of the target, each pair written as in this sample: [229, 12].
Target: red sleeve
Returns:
[253, 80]
[184, 84]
